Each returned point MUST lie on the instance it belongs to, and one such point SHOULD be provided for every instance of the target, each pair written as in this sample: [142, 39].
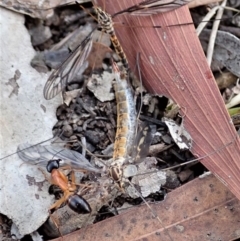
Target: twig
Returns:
[214, 32]
[206, 19]
[197, 3]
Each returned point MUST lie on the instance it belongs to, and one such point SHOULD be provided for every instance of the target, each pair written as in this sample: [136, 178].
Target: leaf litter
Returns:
[97, 144]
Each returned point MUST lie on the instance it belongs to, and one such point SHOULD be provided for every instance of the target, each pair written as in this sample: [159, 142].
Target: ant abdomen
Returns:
[79, 204]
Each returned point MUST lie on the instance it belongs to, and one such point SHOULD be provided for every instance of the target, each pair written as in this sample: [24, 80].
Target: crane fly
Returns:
[126, 116]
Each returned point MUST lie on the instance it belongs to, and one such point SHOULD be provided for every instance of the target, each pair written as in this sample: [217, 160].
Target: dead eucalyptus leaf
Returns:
[195, 211]
[101, 86]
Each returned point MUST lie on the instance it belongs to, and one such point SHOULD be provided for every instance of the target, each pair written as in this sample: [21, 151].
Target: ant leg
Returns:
[59, 202]
[73, 180]
[46, 176]
[84, 187]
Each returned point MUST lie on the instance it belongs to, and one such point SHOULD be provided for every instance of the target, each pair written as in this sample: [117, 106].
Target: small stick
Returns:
[214, 33]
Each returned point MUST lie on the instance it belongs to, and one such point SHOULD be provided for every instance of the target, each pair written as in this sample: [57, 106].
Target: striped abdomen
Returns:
[106, 23]
[126, 126]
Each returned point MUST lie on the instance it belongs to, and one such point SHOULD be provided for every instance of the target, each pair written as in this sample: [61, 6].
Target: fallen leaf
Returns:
[180, 136]
[101, 86]
[203, 209]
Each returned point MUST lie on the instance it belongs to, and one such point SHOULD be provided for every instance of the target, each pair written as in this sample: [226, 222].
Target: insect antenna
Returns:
[141, 84]
[26, 148]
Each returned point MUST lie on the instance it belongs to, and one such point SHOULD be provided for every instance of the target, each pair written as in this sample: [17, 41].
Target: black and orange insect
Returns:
[70, 196]
[65, 160]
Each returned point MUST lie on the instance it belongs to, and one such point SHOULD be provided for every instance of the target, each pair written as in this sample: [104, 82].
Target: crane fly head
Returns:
[116, 173]
[104, 19]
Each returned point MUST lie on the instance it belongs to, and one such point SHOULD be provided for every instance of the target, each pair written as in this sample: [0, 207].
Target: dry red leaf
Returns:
[173, 64]
[203, 209]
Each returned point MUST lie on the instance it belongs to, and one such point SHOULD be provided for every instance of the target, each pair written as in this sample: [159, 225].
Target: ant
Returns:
[74, 201]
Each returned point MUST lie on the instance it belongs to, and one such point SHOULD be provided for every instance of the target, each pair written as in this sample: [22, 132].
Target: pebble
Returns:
[67, 130]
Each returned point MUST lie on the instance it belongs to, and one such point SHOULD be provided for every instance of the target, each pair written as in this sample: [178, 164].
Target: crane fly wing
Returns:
[149, 7]
[60, 77]
[40, 155]
[143, 140]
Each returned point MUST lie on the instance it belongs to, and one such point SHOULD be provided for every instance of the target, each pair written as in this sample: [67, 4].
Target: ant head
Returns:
[53, 164]
[78, 204]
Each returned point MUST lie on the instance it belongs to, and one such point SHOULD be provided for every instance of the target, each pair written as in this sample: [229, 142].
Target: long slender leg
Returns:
[74, 184]
[59, 202]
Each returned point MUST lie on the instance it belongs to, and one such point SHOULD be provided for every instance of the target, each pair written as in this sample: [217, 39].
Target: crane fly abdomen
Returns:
[126, 126]
[119, 50]
[106, 23]
[128, 143]
[126, 119]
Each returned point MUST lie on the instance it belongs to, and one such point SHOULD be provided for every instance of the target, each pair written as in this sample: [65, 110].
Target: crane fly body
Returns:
[127, 142]
[126, 125]
[126, 113]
